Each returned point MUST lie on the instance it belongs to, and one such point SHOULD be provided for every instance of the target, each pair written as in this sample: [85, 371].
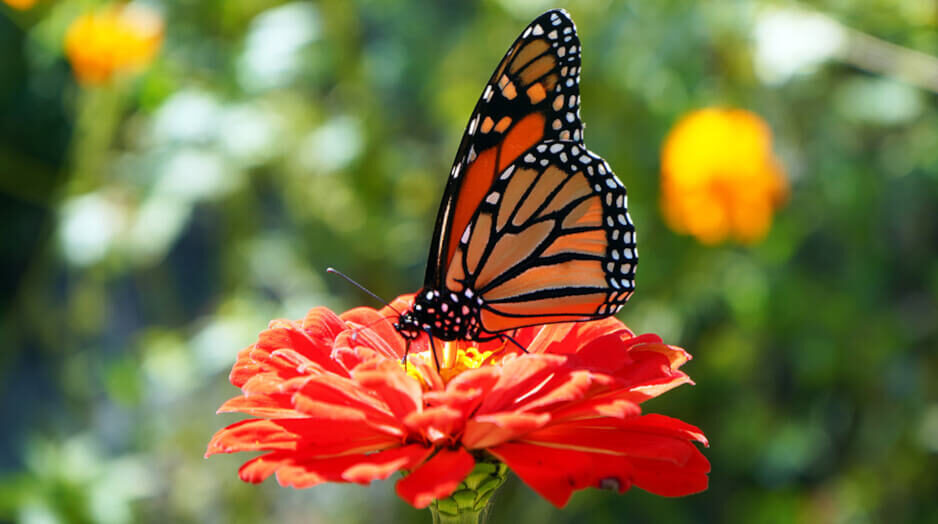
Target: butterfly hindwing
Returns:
[533, 96]
[552, 241]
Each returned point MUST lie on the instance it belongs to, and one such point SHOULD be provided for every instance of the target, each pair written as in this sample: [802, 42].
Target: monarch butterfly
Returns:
[533, 227]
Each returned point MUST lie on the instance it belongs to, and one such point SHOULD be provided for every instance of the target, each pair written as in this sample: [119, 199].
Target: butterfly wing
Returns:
[533, 96]
[552, 241]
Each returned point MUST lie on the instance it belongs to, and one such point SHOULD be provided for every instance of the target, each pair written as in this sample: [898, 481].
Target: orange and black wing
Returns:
[533, 96]
[552, 241]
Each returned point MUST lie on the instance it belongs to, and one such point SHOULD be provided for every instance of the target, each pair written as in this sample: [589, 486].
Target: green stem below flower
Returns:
[472, 501]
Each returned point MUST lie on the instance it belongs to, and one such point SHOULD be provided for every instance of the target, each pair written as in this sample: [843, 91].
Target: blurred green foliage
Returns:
[151, 228]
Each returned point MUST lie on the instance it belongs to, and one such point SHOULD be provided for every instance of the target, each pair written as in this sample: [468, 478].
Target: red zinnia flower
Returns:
[335, 404]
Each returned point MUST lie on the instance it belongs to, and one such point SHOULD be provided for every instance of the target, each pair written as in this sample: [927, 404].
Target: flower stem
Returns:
[472, 501]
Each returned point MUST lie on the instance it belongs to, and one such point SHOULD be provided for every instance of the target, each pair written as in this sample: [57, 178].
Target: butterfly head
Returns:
[407, 325]
[420, 317]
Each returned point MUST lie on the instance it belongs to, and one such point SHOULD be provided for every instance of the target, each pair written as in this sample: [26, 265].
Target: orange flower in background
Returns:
[335, 404]
[22, 5]
[719, 177]
[119, 38]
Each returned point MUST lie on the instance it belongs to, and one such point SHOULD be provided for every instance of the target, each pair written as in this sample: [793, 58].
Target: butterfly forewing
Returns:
[552, 241]
[533, 96]
[533, 228]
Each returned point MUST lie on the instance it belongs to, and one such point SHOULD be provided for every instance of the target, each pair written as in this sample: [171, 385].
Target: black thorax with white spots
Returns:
[447, 315]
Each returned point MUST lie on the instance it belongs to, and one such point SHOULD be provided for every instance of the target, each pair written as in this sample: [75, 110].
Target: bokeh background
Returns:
[168, 187]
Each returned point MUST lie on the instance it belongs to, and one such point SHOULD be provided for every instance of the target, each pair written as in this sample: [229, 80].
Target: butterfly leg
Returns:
[436, 359]
[505, 337]
[406, 352]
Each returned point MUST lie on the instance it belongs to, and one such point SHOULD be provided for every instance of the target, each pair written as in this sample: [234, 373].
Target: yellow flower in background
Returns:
[719, 177]
[22, 5]
[119, 38]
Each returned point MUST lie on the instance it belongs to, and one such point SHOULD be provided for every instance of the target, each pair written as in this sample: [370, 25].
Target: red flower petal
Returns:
[490, 430]
[647, 368]
[568, 338]
[556, 473]
[466, 391]
[435, 423]
[322, 326]
[375, 331]
[669, 425]
[519, 379]
[615, 440]
[675, 355]
[671, 480]
[616, 404]
[326, 436]
[406, 458]
[386, 379]
[244, 368]
[606, 354]
[258, 469]
[343, 393]
[288, 335]
[360, 468]
[262, 406]
[654, 454]
[562, 388]
[437, 478]
[251, 435]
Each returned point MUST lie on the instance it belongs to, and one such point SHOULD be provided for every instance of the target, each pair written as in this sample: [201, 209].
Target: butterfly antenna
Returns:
[335, 271]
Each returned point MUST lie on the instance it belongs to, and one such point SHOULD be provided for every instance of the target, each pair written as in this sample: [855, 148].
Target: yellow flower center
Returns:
[453, 358]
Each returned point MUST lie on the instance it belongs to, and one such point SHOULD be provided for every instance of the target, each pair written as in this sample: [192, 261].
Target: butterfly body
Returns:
[446, 314]
[533, 227]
